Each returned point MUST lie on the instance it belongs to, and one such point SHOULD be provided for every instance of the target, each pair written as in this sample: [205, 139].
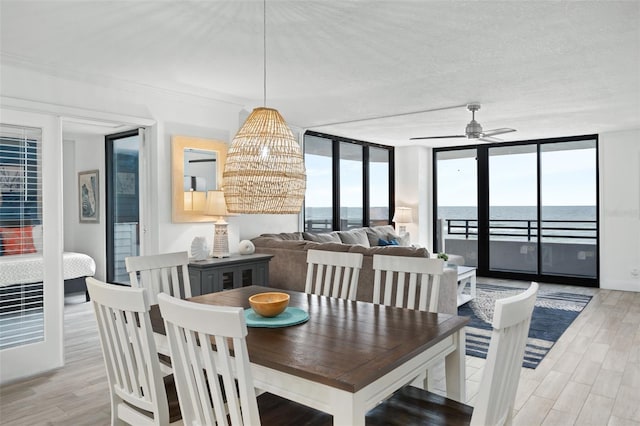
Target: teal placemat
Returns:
[290, 316]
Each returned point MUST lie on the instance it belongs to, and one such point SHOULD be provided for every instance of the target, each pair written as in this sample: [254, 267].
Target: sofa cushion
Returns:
[391, 251]
[322, 238]
[286, 244]
[330, 246]
[285, 236]
[383, 243]
[356, 236]
[386, 233]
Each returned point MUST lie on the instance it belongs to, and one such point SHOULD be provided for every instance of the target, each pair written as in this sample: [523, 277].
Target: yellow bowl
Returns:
[269, 304]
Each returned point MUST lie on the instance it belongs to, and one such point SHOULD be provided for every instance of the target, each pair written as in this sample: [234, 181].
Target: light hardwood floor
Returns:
[590, 376]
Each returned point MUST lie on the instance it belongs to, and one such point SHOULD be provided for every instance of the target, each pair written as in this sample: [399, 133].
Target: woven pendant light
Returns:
[264, 171]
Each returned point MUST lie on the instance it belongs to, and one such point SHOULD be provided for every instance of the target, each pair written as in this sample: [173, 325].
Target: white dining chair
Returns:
[140, 394]
[168, 273]
[333, 274]
[494, 404]
[408, 282]
[205, 399]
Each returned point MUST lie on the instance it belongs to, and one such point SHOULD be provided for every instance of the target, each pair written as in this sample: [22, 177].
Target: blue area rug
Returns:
[554, 311]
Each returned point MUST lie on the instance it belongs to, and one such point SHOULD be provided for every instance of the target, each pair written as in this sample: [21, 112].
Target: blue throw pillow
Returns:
[382, 242]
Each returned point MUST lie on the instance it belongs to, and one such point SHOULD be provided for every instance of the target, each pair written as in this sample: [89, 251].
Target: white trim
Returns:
[23, 361]
[73, 114]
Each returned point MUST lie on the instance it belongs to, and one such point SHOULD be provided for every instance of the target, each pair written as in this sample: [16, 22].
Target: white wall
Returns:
[84, 152]
[620, 210]
[619, 163]
[413, 171]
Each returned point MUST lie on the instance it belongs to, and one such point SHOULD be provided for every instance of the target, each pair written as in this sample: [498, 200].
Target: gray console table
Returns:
[212, 275]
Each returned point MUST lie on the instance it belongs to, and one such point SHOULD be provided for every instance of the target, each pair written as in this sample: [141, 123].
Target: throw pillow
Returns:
[322, 238]
[17, 240]
[374, 234]
[356, 236]
[392, 242]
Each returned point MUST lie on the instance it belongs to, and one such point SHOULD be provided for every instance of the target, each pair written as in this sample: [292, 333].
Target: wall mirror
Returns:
[197, 166]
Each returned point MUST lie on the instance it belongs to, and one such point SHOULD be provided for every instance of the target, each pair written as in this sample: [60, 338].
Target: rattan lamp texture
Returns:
[264, 172]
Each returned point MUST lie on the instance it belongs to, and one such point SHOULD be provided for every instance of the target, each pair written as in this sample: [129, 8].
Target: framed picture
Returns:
[89, 191]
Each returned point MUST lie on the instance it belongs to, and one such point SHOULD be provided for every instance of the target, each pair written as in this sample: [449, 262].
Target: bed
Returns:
[21, 294]
[27, 270]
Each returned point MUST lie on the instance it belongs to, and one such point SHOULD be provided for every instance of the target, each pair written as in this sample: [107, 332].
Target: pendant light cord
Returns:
[264, 57]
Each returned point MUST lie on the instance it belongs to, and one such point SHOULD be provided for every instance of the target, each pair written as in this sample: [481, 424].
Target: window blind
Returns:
[21, 305]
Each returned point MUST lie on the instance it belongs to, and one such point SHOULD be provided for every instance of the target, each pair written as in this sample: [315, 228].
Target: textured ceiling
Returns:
[547, 69]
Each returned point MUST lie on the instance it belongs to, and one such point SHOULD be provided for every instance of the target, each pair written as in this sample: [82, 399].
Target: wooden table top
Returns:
[345, 344]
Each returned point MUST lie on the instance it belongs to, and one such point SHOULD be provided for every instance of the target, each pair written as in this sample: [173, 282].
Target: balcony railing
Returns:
[525, 229]
[326, 225]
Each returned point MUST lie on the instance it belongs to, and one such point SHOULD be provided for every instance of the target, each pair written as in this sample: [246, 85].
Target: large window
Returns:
[535, 213]
[349, 183]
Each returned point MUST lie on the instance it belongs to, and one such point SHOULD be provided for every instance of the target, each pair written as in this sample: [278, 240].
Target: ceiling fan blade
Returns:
[490, 139]
[438, 137]
[495, 132]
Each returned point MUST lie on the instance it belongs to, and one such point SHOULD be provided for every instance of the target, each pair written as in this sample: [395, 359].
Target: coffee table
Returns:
[466, 276]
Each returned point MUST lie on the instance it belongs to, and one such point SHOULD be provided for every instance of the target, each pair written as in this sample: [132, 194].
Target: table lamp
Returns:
[194, 200]
[216, 206]
[402, 216]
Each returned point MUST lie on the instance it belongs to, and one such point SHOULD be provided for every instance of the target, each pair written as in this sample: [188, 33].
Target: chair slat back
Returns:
[160, 273]
[511, 320]
[129, 351]
[333, 274]
[408, 282]
[191, 327]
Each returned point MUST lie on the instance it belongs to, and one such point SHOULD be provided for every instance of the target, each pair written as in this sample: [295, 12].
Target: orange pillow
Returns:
[17, 240]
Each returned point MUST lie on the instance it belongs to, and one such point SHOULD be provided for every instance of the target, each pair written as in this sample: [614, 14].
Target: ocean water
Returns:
[351, 213]
[467, 212]
[509, 220]
[521, 212]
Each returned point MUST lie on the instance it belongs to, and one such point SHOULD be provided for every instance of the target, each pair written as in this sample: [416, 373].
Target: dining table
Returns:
[349, 355]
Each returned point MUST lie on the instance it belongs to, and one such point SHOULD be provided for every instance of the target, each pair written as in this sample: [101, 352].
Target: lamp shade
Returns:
[264, 171]
[216, 205]
[403, 215]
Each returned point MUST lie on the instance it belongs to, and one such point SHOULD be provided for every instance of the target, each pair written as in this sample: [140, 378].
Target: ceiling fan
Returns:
[474, 129]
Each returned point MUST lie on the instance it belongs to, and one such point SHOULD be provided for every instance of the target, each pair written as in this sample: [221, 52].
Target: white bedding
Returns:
[28, 268]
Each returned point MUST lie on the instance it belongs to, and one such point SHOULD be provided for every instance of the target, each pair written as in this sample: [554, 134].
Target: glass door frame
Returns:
[483, 268]
[110, 194]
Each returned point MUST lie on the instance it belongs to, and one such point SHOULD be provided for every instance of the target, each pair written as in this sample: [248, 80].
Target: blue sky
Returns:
[319, 173]
[568, 179]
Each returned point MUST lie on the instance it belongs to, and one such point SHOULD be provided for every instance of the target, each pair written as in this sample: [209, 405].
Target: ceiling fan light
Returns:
[473, 130]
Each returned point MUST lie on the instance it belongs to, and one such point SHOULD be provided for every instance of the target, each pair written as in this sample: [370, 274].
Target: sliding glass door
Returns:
[456, 192]
[535, 216]
[569, 217]
[513, 213]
